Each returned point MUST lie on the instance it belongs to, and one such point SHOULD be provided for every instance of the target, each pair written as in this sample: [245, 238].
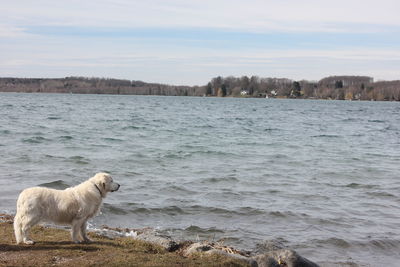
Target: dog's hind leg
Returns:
[83, 232]
[24, 224]
[19, 236]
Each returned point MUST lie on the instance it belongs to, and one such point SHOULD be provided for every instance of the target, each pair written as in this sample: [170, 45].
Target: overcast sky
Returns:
[189, 42]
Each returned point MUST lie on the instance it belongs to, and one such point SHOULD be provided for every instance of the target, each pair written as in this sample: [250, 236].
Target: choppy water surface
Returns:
[322, 177]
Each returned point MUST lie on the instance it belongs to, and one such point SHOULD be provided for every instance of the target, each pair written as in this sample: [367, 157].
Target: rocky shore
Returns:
[183, 253]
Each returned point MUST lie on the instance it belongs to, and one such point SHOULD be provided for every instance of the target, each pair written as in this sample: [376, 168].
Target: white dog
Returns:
[72, 206]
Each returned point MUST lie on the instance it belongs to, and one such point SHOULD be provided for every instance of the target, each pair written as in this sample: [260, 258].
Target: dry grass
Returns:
[54, 248]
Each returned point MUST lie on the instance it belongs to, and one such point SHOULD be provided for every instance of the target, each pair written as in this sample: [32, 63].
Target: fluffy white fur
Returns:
[72, 206]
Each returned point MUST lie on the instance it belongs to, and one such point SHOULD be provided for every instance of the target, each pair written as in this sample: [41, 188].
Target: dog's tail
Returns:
[18, 228]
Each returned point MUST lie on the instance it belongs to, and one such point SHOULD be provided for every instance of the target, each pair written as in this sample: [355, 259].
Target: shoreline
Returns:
[212, 97]
[343, 87]
[54, 247]
[268, 255]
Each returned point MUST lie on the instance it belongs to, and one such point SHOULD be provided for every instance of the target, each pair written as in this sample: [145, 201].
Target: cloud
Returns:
[186, 67]
[252, 15]
[9, 31]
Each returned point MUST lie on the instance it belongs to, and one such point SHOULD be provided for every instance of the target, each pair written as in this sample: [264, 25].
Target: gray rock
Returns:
[266, 261]
[283, 257]
[158, 239]
[269, 245]
[247, 260]
[197, 247]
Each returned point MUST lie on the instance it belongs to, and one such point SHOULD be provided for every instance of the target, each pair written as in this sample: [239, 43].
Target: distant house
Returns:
[274, 93]
[244, 92]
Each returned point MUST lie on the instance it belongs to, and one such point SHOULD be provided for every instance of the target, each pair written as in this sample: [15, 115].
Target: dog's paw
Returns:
[29, 242]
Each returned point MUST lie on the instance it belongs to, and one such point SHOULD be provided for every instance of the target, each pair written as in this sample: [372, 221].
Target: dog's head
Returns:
[104, 182]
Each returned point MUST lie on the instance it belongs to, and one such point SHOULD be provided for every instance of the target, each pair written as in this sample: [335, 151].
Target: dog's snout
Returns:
[118, 185]
[115, 187]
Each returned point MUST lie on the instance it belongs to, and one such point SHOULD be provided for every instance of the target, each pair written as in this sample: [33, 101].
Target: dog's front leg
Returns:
[76, 230]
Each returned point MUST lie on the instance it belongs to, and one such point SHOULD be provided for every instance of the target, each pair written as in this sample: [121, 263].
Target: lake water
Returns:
[321, 177]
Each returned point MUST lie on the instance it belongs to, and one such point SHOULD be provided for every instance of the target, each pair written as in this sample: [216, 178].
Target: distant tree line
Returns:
[333, 87]
[83, 85]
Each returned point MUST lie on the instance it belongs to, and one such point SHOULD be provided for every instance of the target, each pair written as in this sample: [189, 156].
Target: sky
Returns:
[189, 42]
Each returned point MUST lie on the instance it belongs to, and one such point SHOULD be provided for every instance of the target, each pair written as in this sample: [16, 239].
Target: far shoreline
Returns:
[329, 88]
[210, 97]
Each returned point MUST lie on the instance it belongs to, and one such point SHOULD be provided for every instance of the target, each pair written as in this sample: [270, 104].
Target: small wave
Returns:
[381, 194]
[78, 160]
[350, 119]
[273, 191]
[193, 229]
[281, 156]
[215, 180]
[271, 129]
[186, 154]
[110, 139]
[195, 209]
[216, 153]
[357, 135]
[108, 208]
[23, 159]
[52, 157]
[283, 214]
[178, 190]
[187, 146]
[356, 185]
[132, 127]
[208, 126]
[326, 136]
[250, 211]
[176, 155]
[5, 132]
[387, 128]
[53, 118]
[65, 137]
[58, 184]
[385, 244]
[132, 173]
[35, 140]
[170, 210]
[243, 211]
[337, 242]
[376, 155]
[376, 121]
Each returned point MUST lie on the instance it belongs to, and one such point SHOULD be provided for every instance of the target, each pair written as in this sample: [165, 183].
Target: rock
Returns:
[269, 245]
[158, 239]
[207, 248]
[283, 257]
[197, 247]
[251, 262]
[6, 218]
